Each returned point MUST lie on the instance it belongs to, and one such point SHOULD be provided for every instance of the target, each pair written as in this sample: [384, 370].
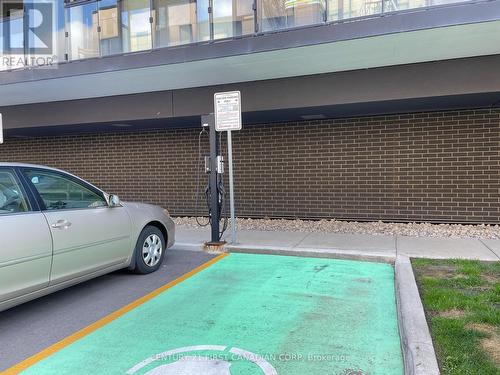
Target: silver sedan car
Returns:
[58, 230]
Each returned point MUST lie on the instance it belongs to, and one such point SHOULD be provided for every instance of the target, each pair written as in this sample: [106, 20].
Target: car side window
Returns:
[12, 197]
[62, 193]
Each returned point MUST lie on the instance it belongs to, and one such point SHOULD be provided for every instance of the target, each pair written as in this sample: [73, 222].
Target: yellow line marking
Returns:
[21, 366]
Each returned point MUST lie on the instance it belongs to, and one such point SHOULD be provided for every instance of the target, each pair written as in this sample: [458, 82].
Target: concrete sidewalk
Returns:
[349, 246]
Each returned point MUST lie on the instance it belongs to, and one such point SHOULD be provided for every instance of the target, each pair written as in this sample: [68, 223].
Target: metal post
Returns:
[231, 185]
[214, 193]
[1, 129]
[211, 20]
[256, 22]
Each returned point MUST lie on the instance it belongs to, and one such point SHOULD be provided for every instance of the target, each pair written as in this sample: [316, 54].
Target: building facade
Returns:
[362, 110]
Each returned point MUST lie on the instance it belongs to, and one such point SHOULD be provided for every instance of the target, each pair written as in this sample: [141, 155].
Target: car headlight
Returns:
[166, 212]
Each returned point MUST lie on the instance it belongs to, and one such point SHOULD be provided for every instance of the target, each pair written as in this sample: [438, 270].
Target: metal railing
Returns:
[96, 28]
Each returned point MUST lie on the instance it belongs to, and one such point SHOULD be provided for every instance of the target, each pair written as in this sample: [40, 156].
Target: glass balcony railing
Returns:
[94, 28]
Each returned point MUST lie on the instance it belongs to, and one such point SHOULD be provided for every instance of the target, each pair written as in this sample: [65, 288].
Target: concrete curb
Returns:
[416, 341]
[314, 253]
[368, 255]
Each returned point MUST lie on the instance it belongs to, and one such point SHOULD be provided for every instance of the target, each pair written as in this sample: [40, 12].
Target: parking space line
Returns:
[21, 366]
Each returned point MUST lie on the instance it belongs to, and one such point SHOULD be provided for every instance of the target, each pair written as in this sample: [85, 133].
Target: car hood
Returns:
[139, 206]
[135, 208]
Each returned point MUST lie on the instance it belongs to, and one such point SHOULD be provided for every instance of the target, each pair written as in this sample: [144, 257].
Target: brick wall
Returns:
[440, 166]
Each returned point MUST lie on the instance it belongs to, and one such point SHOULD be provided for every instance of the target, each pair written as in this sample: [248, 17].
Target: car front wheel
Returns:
[149, 251]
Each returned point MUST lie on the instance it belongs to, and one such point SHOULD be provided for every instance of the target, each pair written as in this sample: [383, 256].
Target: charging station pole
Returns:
[231, 185]
[214, 193]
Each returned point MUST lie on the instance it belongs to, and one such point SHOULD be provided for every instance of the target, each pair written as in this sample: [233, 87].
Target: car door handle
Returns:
[61, 224]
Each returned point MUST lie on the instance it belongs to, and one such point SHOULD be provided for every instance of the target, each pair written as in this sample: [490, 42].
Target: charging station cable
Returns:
[223, 213]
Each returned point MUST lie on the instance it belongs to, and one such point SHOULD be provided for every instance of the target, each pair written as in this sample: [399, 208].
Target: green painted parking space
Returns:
[251, 314]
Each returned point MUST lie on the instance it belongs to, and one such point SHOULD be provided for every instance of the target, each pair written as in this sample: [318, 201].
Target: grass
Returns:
[462, 303]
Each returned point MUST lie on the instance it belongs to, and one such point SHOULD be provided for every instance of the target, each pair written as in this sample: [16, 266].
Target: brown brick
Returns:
[435, 166]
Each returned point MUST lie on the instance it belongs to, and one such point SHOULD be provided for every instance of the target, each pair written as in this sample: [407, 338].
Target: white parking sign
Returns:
[227, 109]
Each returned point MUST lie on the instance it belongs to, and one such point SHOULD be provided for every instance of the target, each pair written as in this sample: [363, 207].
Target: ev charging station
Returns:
[215, 193]
[226, 117]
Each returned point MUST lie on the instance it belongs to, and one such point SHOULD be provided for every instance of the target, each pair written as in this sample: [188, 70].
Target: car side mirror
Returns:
[114, 201]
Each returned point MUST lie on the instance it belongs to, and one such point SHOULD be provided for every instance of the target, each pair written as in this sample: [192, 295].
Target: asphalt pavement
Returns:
[29, 328]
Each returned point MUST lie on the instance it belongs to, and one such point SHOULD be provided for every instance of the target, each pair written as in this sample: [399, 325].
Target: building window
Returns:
[282, 14]
[82, 23]
[136, 25]
[179, 22]
[345, 9]
[109, 35]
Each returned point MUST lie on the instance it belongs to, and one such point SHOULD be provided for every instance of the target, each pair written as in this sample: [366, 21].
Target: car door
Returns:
[25, 241]
[87, 234]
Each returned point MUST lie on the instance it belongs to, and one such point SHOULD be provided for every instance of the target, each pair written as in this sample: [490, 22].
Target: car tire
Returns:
[149, 250]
